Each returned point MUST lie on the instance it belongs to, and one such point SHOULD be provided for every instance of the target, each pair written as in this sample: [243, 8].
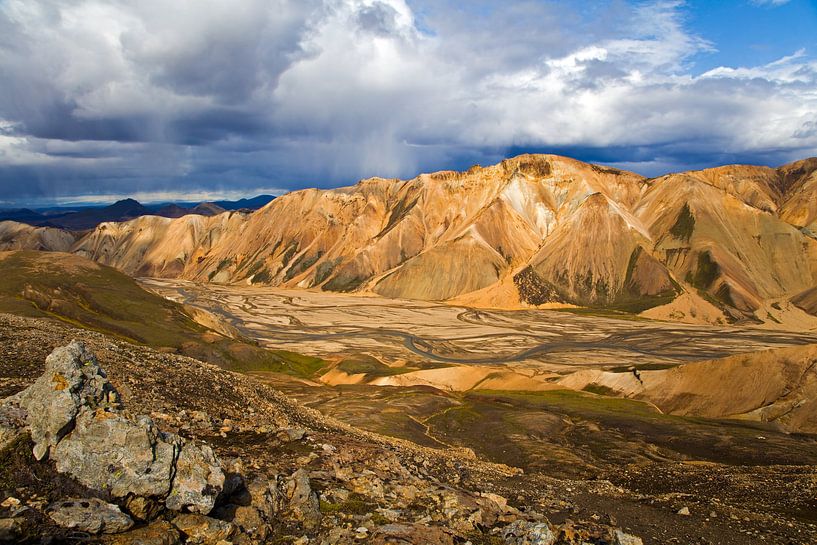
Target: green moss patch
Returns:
[684, 225]
[706, 273]
[355, 504]
[370, 366]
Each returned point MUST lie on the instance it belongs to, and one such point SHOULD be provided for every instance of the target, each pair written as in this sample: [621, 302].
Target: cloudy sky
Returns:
[167, 98]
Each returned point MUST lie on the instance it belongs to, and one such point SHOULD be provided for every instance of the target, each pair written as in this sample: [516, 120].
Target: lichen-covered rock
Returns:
[522, 532]
[409, 534]
[123, 456]
[72, 378]
[90, 515]
[8, 434]
[158, 533]
[303, 502]
[201, 530]
[10, 529]
[75, 419]
[620, 538]
[12, 420]
[198, 481]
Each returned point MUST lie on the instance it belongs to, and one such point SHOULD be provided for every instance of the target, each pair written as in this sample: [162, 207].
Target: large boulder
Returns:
[123, 456]
[72, 379]
[75, 419]
[198, 481]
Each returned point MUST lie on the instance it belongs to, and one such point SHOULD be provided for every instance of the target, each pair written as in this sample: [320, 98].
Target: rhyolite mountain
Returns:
[727, 243]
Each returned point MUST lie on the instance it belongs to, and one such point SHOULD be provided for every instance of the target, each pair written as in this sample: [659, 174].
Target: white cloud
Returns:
[207, 93]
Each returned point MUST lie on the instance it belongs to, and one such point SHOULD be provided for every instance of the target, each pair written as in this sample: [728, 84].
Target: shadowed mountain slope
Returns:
[82, 293]
[807, 301]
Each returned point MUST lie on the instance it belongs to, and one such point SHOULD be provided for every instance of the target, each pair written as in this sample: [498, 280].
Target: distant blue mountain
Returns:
[88, 217]
[23, 215]
[253, 203]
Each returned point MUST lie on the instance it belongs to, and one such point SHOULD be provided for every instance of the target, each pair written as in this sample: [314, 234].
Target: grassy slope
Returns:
[577, 434]
[92, 296]
[374, 368]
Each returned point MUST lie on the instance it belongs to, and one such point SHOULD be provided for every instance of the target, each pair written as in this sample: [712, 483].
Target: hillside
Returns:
[778, 386]
[74, 290]
[286, 471]
[722, 244]
[19, 236]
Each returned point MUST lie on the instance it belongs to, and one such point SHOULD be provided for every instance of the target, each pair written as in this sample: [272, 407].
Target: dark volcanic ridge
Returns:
[88, 217]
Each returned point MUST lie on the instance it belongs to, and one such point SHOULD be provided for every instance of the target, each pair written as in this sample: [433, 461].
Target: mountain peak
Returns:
[560, 229]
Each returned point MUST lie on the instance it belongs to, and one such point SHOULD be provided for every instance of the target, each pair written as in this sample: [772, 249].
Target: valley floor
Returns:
[402, 335]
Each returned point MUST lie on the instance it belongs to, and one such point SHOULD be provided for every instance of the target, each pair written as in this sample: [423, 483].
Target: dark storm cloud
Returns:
[807, 130]
[217, 124]
[110, 96]
[58, 122]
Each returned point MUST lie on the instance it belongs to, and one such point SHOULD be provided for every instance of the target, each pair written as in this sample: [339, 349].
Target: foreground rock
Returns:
[289, 477]
[204, 530]
[303, 502]
[75, 419]
[72, 380]
[12, 421]
[10, 530]
[527, 533]
[158, 533]
[90, 515]
[626, 539]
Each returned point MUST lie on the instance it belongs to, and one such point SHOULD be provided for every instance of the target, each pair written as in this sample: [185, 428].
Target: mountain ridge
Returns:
[88, 217]
[551, 229]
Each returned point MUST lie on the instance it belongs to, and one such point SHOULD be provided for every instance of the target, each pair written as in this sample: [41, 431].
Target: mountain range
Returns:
[88, 217]
[727, 244]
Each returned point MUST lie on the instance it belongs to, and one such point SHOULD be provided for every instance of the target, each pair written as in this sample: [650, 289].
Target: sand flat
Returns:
[460, 348]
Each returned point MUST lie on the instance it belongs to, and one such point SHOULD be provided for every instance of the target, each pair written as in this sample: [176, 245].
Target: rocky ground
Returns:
[283, 473]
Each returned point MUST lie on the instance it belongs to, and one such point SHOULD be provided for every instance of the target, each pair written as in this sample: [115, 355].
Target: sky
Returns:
[213, 98]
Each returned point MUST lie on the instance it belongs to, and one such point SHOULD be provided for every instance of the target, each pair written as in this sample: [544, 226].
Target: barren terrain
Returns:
[594, 417]
[458, 348]
[508, 386]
